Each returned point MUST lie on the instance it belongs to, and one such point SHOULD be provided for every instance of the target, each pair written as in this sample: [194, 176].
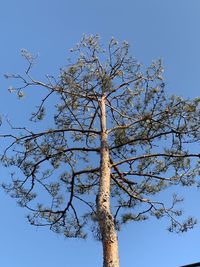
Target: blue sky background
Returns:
[154, 28]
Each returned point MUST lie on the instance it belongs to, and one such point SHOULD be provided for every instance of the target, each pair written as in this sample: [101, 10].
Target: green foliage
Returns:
[151, 140]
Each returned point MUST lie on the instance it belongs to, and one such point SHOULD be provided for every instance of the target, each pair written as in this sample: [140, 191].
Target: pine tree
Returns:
[116, 143]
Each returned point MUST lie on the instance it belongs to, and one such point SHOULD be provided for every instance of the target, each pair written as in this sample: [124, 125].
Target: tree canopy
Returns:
[150, 139]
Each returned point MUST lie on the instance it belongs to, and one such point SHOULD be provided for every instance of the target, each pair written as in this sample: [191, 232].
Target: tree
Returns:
[116, 143]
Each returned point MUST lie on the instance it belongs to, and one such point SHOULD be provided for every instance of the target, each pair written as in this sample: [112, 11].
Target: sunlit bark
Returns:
[105, 217]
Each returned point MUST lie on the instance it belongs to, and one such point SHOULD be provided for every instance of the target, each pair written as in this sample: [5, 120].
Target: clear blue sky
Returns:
[154, 28]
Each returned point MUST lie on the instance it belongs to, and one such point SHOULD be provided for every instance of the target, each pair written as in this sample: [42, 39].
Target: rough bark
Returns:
[105, 218]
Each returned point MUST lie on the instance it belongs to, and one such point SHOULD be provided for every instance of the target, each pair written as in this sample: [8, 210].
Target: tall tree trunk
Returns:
[105, 217]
